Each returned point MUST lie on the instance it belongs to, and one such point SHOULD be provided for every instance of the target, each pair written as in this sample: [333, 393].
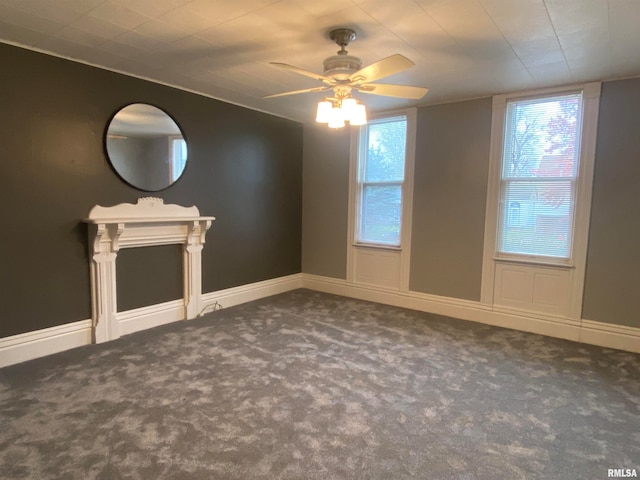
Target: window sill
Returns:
[533, 262]
[377, 246]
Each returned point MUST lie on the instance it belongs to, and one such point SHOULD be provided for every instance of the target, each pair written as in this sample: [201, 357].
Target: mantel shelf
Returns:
[147, 220]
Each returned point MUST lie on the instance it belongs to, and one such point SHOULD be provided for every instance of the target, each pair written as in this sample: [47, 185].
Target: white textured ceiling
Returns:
[222, 48]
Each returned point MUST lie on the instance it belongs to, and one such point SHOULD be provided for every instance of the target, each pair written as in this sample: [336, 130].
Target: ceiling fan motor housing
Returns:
[344, 73]
[341, 67]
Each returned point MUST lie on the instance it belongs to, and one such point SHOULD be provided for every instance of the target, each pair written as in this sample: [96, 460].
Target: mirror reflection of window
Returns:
[178, 149]
[146, 147]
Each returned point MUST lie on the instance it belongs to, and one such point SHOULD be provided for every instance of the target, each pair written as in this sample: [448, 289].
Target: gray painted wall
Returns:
[452, 161]
[137, 268]
[452, 158]
[325, 205]
[245, 168]
[612, 283]
[449, 202]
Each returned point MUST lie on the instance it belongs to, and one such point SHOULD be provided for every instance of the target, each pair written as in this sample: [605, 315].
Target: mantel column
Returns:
[192, 265]
[104, 303]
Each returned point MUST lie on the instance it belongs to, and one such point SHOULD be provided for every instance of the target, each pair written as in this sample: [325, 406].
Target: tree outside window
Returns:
[380, 181]
[539, 173]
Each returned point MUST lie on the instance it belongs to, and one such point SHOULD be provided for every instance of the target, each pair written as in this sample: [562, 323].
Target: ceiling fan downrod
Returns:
[341, 66]
[342, 36]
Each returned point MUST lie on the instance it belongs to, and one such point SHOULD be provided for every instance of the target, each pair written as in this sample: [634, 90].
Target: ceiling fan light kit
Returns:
[343, 73]
[335, 113]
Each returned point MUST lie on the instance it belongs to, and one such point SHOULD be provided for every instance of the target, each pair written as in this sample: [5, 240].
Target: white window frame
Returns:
[361, 184]
[583, 191]
[358, 145]
[172, 152]
[537, 258]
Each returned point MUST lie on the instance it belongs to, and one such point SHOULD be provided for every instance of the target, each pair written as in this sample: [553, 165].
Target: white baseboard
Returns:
[608, 335]
[30, 345]
[142, 318]
[162, 313]
[247, 293]
[585, 331]
[39, 343]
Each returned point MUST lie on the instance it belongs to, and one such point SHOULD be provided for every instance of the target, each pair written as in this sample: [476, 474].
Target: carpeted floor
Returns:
[306, 385]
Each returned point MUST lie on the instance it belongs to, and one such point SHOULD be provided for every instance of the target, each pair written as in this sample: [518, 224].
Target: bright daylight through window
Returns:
[540, 164]
[178, 157]
[381, 174]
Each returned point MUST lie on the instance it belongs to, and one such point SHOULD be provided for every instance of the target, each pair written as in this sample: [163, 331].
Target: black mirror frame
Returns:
[110, 162]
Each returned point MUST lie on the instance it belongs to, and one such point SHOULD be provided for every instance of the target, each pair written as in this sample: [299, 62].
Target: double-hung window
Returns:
[380, 181]
[539, 199]
[539, 175]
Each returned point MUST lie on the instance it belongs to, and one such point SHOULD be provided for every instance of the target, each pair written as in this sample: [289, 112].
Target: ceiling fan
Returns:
[343, 73]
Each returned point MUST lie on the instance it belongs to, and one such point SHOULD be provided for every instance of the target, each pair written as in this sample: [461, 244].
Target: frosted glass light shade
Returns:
[359, 115]
[336, 120]
[348, 107]
[323, 114]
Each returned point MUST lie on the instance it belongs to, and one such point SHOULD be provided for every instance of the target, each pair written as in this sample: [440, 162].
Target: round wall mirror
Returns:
[146, 147]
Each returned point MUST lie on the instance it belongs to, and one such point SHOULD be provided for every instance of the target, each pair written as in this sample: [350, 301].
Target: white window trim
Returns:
[172, 165]
[591, 102]
[407, 198]
[360, 185]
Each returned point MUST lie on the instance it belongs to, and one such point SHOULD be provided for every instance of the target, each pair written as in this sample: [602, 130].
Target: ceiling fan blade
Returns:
[383, 68]
[291, 68]
[387, 90]
[295, 92]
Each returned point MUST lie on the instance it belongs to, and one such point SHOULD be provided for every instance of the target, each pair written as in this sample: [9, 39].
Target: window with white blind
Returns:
[380, 181]
[539, 199]
[539, 174]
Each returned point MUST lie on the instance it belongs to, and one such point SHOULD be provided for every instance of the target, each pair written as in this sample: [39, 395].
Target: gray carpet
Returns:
[306, 385]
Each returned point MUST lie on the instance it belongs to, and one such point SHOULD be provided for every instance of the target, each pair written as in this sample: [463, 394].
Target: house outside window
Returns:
[539, 200]
[539, 173]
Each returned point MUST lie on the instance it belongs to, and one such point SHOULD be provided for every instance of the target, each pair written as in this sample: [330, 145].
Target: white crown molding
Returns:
[149, 79]
[585, 331]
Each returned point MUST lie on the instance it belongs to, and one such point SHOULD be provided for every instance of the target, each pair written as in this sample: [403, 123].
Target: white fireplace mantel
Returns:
[146, 223]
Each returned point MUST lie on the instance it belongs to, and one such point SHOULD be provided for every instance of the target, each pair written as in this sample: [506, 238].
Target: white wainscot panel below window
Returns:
[534, 288]
[377, 267]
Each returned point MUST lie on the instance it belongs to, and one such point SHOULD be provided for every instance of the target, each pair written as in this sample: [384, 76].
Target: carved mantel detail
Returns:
[146, 223]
